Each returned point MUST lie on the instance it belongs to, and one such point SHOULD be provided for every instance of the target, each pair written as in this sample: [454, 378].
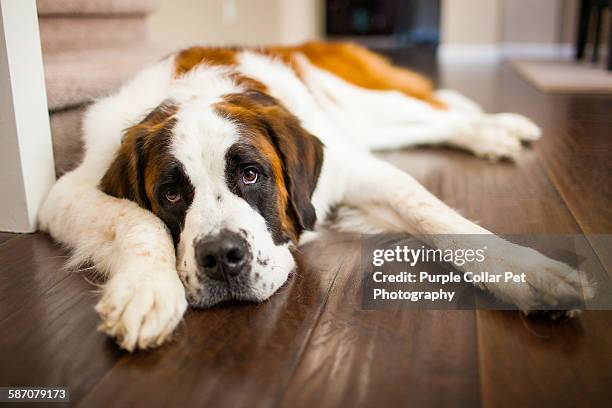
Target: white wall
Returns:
[470, 22]
[490, 29]
[235, 22]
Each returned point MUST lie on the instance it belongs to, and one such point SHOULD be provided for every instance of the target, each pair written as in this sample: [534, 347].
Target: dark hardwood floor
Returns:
[311, 344]
[5, 236]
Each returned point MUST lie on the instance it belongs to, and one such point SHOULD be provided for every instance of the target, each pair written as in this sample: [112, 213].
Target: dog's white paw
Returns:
[517, 126]
[487, 141]
[549, 284]
[141, 313]
[497, 136]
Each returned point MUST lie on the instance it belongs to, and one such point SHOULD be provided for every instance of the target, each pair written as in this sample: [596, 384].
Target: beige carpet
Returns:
[77, 77]
[59, 34]
[102, 7]
[565, 76]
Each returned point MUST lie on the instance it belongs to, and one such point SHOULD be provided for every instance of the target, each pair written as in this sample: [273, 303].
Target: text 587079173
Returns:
[34, 394]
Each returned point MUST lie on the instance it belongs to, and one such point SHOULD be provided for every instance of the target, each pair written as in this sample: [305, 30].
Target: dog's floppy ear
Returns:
[125, 178]
[302, 157]
[141, 145]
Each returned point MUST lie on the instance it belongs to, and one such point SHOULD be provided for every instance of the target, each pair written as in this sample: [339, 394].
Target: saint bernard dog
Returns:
[204, 172]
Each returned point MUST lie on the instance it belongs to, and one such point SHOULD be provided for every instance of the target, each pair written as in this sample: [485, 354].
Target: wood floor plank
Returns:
[531, 362]
[49, 335]
[555, 357]
[385, 357]
[580, 166]
[525, 361]
[30, 265]
[240, 355]
[576, 153]
[5, 236]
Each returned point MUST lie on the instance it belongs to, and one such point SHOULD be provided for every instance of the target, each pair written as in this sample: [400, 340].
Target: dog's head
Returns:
[232, 179]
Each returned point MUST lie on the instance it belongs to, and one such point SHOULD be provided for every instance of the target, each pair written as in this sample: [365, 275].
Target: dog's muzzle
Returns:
[223, 257]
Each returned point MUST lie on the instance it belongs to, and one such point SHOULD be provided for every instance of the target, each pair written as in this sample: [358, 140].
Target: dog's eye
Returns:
[172, 195]
[250, 175]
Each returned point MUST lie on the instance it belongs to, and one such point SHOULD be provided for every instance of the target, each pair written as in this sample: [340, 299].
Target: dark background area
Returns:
[397, 23]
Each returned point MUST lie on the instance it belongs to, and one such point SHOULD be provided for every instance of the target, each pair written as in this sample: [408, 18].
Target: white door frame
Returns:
[26, 153]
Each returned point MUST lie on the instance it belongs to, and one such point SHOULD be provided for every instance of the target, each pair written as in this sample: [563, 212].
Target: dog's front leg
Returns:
[382, 198]
[143, 298]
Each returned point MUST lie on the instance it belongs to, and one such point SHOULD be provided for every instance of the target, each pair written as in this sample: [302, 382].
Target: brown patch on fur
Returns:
[265, 147]
[361, 67]
[294, 155]
[110, 234]
[247, 82]
[189, 58]
[141, 156]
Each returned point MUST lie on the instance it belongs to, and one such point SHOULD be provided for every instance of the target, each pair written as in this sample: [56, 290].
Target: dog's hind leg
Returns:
[381, 198]
[390, 119]
[143, 299]
[518, 126]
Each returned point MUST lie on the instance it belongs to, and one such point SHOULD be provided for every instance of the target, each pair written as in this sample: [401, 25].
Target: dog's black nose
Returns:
[223, 256]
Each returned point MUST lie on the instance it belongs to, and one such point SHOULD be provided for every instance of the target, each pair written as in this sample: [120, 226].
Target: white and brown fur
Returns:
[305, 118]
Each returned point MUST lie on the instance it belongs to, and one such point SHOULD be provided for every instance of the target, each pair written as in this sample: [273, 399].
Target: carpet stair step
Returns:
[62, 34]
[95, 7]
[75, 78]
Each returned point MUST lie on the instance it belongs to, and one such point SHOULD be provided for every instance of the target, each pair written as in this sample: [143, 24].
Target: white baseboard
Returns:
[543, 51]
[466, 53]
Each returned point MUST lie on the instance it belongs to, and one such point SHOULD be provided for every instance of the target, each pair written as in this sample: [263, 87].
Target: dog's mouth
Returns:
[215, 293]
[232, 293]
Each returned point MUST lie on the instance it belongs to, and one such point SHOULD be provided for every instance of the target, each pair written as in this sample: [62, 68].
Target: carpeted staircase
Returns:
[89, 48]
